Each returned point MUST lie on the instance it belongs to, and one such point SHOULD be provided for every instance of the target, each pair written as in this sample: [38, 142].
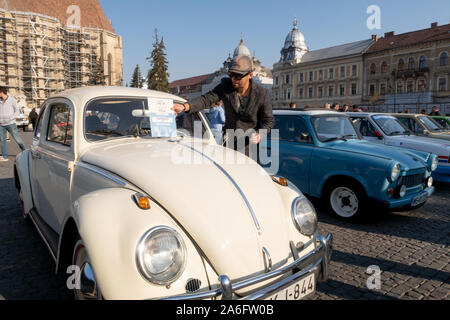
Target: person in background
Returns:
[33, 117]
[217, 120]
[327, 106]
[346, 108]
[423, 111]
[435, 111]
[9, 109]
[356, 108]
[335, 106]
[292, 105]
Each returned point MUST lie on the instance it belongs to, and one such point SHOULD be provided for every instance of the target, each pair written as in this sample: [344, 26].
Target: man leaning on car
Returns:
[9, 109]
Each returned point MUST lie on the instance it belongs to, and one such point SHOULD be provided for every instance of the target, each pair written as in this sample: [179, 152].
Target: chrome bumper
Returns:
[316, 261]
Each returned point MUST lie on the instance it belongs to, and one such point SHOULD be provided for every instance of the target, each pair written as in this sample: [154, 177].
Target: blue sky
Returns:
[199, 34]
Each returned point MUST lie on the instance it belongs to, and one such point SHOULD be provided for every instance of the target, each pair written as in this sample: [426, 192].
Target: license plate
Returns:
[297, 290]
[419, 199]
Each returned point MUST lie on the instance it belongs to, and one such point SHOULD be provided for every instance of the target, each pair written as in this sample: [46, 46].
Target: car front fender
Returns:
[22, 171]
[111, 224]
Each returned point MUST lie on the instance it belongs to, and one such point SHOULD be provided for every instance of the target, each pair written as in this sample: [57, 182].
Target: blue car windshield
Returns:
[329, 128]
[390, 125]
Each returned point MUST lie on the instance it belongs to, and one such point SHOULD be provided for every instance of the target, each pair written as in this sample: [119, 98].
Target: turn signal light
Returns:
[142, 201]
[282, 181]
[391, 191]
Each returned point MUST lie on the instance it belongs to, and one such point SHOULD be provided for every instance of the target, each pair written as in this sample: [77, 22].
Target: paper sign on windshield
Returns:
[162, 118]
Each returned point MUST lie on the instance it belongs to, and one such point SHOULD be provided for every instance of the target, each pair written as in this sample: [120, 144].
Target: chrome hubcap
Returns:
[88, 285]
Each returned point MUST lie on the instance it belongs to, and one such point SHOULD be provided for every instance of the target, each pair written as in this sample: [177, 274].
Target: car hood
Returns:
[210, 201]
[432, 145]
[410, 159]
[440, 135]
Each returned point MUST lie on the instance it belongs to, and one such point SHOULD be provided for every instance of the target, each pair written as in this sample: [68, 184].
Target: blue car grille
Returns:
[412, 180]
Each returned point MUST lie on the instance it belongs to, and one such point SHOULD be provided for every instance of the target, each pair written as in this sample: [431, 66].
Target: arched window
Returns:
[444, 59]
[384, 67]
[411, 63]
[422, 62]
[373, 68]
[401, 64]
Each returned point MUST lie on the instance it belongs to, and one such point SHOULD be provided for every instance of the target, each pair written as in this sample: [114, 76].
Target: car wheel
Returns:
[86, 287]
[345, 200]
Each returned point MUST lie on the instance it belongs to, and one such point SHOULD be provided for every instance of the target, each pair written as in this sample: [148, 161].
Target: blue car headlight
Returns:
[394, 172]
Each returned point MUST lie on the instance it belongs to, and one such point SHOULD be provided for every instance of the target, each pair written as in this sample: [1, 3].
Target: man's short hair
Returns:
[3, 90]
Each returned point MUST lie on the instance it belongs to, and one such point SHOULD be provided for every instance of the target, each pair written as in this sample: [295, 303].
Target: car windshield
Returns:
[109, 118]
[430, 124]
[391, 126]
[329, 128]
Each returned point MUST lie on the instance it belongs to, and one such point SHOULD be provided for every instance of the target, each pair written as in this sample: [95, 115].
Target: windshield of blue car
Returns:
[330, 128]
[112, 118]
[430, 124]
[391, 126]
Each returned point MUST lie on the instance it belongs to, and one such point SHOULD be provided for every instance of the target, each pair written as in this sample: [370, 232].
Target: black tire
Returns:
[346, 200]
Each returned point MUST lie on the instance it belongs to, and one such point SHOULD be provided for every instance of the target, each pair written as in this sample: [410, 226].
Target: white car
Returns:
[22, 121]
[112, 205]
[387, 129]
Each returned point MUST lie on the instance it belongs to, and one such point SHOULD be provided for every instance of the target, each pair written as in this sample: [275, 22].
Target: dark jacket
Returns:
[258, 114]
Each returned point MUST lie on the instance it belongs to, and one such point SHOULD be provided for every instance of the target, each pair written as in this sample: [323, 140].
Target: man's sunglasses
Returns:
[238, 76]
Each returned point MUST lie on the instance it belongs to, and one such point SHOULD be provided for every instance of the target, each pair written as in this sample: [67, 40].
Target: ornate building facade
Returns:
[409, 70]
[316, 77]
[48, 46]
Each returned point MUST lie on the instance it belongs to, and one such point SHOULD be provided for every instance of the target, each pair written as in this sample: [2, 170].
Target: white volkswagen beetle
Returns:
[115, 205]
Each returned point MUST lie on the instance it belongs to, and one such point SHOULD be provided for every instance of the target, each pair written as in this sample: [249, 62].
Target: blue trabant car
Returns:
[322, 153]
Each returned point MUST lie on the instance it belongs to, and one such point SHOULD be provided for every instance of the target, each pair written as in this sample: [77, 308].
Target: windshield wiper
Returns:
[395, 133]
[105, 132]
[345, 137]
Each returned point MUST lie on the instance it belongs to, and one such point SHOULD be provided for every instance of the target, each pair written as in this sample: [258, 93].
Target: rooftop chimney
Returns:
[389, 34]
[434, 25]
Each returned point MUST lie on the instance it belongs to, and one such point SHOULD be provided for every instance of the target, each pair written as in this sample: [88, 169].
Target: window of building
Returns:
[289, 95]
[320, 92]
[310, 76]
[330, 91]
[382, 89]
[421, 85]
[409, 87]
[442, 84]
[411, 63]
[353, 89]
[384, 67]
[341, 90]
[276, 80]
[422, 62]
[443, 60]
[330, 73]
[301, 77]
[287, 79]
[400, 87]
[300, 92]
[401, 64]
[373, 68]
[372, 90]
[320, 75]
[342, 72]
[310, 92]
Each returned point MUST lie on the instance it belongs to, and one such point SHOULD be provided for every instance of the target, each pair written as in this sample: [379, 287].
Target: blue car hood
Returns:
[412, 159]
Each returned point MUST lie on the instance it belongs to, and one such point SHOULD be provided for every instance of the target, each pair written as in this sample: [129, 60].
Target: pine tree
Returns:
[97, 75]
[158, 78]
[137, 81]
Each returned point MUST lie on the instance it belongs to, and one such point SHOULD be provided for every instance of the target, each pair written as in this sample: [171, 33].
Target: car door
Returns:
[52, 158]
[295, 151]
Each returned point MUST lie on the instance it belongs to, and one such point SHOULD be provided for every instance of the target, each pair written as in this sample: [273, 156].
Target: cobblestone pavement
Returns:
[411, 249]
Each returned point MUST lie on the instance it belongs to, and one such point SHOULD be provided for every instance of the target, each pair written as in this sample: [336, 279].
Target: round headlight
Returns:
[402, 191]
[434, 163]
[304, 216]
[161, 255]
[395, 172]
[429, 182]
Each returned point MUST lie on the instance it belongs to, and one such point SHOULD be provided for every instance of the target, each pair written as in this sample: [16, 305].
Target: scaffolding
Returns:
[39, 57]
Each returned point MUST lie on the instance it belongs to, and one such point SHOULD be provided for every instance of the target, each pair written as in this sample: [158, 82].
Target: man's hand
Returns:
[179, 108]
[255, 138]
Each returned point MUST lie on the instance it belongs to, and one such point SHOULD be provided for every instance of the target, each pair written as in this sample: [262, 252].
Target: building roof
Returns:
[391, 41]
[348, 49]
[190, 81]
[91, 12]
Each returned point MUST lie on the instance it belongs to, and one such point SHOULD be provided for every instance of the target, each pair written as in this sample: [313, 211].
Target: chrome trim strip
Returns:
[255, 220]
[104, 174]
[321, 255]
[267, 260]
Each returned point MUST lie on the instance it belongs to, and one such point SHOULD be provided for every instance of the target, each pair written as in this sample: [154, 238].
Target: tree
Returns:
[97, 75]
[158, 78]
[137, 81]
